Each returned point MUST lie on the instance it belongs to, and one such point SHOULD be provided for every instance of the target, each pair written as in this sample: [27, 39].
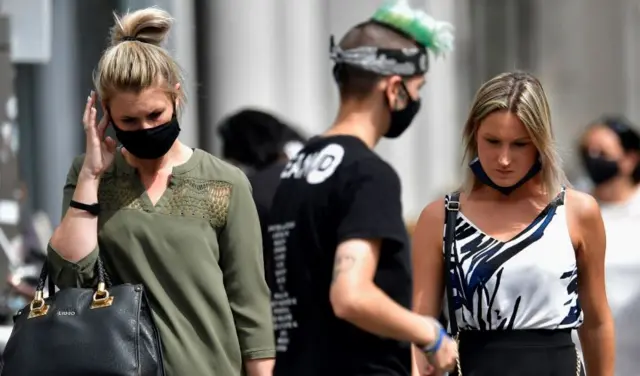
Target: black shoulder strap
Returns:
[452, 206]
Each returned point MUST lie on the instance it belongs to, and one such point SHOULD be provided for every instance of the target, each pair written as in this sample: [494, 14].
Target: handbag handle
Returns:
[101, 297]
[452, 207]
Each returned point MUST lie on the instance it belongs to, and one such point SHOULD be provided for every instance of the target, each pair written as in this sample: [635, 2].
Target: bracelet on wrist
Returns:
[430, 349]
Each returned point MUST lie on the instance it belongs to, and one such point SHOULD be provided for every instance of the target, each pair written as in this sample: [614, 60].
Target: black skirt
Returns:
[518, 353]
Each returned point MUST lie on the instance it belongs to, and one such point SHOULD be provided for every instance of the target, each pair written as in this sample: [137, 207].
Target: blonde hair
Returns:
[135, 59]
[521, 94]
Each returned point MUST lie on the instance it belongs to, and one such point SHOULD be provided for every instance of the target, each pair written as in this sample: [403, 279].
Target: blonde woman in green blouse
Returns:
[176, 219]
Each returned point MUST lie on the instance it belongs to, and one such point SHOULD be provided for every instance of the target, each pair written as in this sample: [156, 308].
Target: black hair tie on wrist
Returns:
[93, 209]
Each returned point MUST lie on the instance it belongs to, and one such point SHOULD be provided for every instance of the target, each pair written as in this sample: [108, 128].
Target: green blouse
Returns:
[198, 252]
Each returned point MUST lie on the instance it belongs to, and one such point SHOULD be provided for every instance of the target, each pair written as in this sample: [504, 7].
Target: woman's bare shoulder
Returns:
[582, 206]
[583, 217]
[430, 225]
[434, 211]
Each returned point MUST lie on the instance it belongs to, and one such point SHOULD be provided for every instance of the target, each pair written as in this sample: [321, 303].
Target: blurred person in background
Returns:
[261, 145]
[520, 242]
[610, 151]
[255, 141]
[342, 297]
[160, 213]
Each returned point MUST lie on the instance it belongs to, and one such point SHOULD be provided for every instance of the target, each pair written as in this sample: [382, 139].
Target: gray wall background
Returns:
[273, 54]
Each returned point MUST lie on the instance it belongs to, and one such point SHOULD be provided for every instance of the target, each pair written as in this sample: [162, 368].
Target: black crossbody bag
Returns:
[452, 207]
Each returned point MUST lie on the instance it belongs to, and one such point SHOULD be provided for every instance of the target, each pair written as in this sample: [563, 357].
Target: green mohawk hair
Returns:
[434, 35]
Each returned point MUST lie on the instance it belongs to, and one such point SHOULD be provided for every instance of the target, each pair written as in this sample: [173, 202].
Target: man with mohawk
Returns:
[342, 264]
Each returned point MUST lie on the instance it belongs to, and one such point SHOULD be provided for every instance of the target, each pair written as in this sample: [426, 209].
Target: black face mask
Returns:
[600, 170]
[151, 143]
[481, 175]
[401, 119]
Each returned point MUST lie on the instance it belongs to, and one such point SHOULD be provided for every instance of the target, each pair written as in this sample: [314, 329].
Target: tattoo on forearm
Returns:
[342, 264]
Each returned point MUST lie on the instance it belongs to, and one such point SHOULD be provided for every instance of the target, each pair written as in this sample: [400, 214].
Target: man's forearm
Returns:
[598, 347]
[259, 367]
[375, 312]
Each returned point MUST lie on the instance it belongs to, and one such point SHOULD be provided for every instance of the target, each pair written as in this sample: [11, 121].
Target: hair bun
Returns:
[148, 25]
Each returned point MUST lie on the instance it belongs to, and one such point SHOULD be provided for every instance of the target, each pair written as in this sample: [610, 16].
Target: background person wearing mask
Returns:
[259, 144]
[610, 149]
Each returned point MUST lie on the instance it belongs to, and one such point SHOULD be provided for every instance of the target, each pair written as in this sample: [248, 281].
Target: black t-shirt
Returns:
[264, 184]
[334, 190]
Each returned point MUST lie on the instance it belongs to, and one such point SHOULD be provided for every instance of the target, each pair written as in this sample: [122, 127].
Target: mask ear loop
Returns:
[403, 95]
[111, 122]
[175, 109]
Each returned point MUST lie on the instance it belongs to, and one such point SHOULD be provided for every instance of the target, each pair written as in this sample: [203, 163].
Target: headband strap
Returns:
[383, 61]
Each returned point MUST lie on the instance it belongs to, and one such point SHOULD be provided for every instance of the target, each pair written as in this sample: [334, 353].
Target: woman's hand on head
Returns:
[100, 150]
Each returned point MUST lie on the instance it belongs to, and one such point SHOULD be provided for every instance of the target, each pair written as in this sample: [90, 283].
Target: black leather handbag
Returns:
[104, 331]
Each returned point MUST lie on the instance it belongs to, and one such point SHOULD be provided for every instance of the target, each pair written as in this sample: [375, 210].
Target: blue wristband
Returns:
[436, 346]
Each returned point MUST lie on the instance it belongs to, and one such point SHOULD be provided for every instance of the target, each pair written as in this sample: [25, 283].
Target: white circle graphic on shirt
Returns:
[325, 164]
